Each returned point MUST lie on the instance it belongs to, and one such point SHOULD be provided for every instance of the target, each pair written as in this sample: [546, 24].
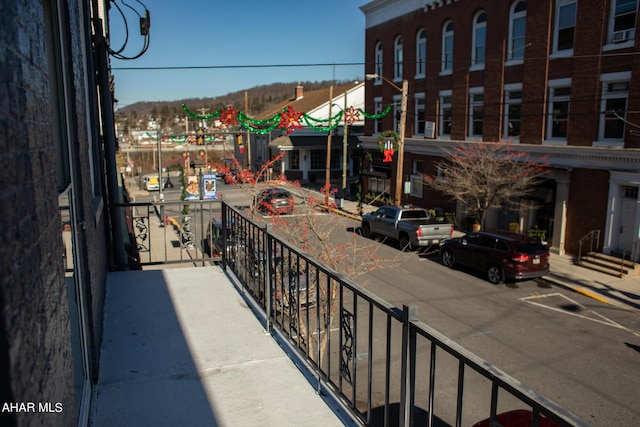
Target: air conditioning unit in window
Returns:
[622, 36]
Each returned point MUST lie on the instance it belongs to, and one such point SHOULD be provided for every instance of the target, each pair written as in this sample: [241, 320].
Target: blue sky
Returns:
[201, 33]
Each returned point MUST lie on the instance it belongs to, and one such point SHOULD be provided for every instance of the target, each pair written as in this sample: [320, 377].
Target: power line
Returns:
[204, 67]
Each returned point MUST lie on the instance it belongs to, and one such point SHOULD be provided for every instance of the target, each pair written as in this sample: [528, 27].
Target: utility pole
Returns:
[344, 147]
[246, 109]
[327, 178]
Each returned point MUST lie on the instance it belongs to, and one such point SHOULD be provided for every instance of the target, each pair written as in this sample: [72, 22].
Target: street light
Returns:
[403, 118]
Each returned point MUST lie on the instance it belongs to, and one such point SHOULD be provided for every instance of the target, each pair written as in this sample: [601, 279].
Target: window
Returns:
[397, 60]
[421, 53]
[513, 111]
[623, 20]
[445, 114]
[475, 113]
[417, 169]
[319, 160]
[479, 40]
[419, 109]
[378, 62]
[377, 107]
[565, 25]
[517, 26]
[294, 159]
[397, 112]
[447, 48]
[558, 112]
[614, 110]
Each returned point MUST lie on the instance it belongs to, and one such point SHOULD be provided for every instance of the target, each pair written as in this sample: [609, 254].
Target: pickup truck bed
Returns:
[410, 227]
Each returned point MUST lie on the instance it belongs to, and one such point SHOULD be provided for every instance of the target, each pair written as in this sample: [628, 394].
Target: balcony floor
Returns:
[181, 346]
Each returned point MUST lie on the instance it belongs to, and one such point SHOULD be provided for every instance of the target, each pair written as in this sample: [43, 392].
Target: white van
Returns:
[151, 182]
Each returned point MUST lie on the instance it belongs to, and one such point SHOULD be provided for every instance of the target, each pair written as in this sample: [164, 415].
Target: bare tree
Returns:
[485, 175]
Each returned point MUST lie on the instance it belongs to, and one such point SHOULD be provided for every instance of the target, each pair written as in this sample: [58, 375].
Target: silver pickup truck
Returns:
[410, 227]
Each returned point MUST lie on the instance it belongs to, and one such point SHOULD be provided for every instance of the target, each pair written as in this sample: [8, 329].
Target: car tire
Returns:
[405, 243]
[447, 258]
[366, 230]
[494, 274]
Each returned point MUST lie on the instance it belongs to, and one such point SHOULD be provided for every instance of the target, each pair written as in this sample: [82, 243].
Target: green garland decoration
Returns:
[267, 125]
[376, 116]
[383, 137]
[196, 116]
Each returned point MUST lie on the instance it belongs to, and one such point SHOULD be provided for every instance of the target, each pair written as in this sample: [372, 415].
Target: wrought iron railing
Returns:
[592, 239]
[630, 256]
[383, 364]
[172, 232]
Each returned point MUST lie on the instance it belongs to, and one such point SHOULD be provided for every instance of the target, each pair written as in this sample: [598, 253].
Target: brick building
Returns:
[54, 193]
[557, 79]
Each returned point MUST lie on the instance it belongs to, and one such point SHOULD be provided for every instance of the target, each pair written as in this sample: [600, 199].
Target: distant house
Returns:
[306, 149]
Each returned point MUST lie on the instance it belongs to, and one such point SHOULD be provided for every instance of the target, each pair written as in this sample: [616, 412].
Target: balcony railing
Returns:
[384, 365]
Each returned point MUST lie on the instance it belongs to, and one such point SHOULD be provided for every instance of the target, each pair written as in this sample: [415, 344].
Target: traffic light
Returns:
[240, 143]
[200, 136]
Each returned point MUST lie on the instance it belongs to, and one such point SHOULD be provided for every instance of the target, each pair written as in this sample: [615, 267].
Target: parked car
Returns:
[410, 227]
[275, 201]
[502, 255]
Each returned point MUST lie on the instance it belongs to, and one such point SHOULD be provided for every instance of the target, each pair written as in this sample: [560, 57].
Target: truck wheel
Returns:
[494, 274]
[405, 243]
[447, 258]
[366, 230]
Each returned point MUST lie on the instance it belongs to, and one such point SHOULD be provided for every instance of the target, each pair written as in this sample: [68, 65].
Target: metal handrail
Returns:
[375, 355]
[590, 236]
[633, 248]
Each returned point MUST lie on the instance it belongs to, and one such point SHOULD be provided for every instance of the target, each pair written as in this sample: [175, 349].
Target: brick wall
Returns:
[36, 357]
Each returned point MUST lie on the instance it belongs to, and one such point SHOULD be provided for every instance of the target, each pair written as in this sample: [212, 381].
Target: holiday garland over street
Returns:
[288, 119]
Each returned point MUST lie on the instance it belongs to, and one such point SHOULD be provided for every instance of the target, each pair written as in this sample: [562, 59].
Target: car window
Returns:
[531, 248]
[473, 239]
[414, 214]
[501, 245]
[487, 242]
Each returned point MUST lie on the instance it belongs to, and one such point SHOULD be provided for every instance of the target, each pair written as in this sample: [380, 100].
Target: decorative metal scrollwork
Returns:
[346, 351]
[142, 233]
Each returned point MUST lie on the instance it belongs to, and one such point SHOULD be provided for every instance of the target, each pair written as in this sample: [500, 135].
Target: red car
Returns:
[502, 255]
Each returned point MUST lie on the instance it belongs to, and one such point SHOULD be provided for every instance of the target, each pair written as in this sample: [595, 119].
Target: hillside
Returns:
[260, 98]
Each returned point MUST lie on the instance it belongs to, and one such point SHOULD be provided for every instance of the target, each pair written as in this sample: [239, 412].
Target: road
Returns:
[579, 352]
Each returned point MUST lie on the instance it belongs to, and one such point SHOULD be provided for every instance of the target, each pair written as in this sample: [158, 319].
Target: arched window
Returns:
[447, 48]
[517, 27]
[378, 60]
[397, 59]
[479, 40]
[421, 53]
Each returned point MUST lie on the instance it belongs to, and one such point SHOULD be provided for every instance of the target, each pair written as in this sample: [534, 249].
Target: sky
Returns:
[227, 40]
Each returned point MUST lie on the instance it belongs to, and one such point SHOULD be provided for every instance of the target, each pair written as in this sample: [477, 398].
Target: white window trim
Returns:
[378, 54]
[609, 45]
[476, 26]
[472, 92]
[441, 95]
[421, 41]
[377, 101]
[605, 79]
[554, 84]
[445, 33]
[398, 59]
[513, 87]
[512, 17]
[567, 52]
[418, 97]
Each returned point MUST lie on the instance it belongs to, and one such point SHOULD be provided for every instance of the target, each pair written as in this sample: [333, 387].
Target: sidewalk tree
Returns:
[485, 175]
[315, 234]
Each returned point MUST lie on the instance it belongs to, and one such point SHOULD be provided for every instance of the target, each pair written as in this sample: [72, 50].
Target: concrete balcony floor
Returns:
[182, 346]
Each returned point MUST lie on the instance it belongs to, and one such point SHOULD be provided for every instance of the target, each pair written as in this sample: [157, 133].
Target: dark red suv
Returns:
[502, 255]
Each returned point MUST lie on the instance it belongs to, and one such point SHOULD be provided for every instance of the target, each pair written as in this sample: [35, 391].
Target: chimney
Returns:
[299, 92]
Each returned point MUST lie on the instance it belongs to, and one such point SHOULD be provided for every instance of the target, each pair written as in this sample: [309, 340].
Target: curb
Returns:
[575, 289]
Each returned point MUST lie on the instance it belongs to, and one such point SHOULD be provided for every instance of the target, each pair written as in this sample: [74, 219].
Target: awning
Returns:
[290, 142]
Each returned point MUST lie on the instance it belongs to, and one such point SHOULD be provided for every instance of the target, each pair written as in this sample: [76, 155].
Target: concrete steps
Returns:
[609, 264]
